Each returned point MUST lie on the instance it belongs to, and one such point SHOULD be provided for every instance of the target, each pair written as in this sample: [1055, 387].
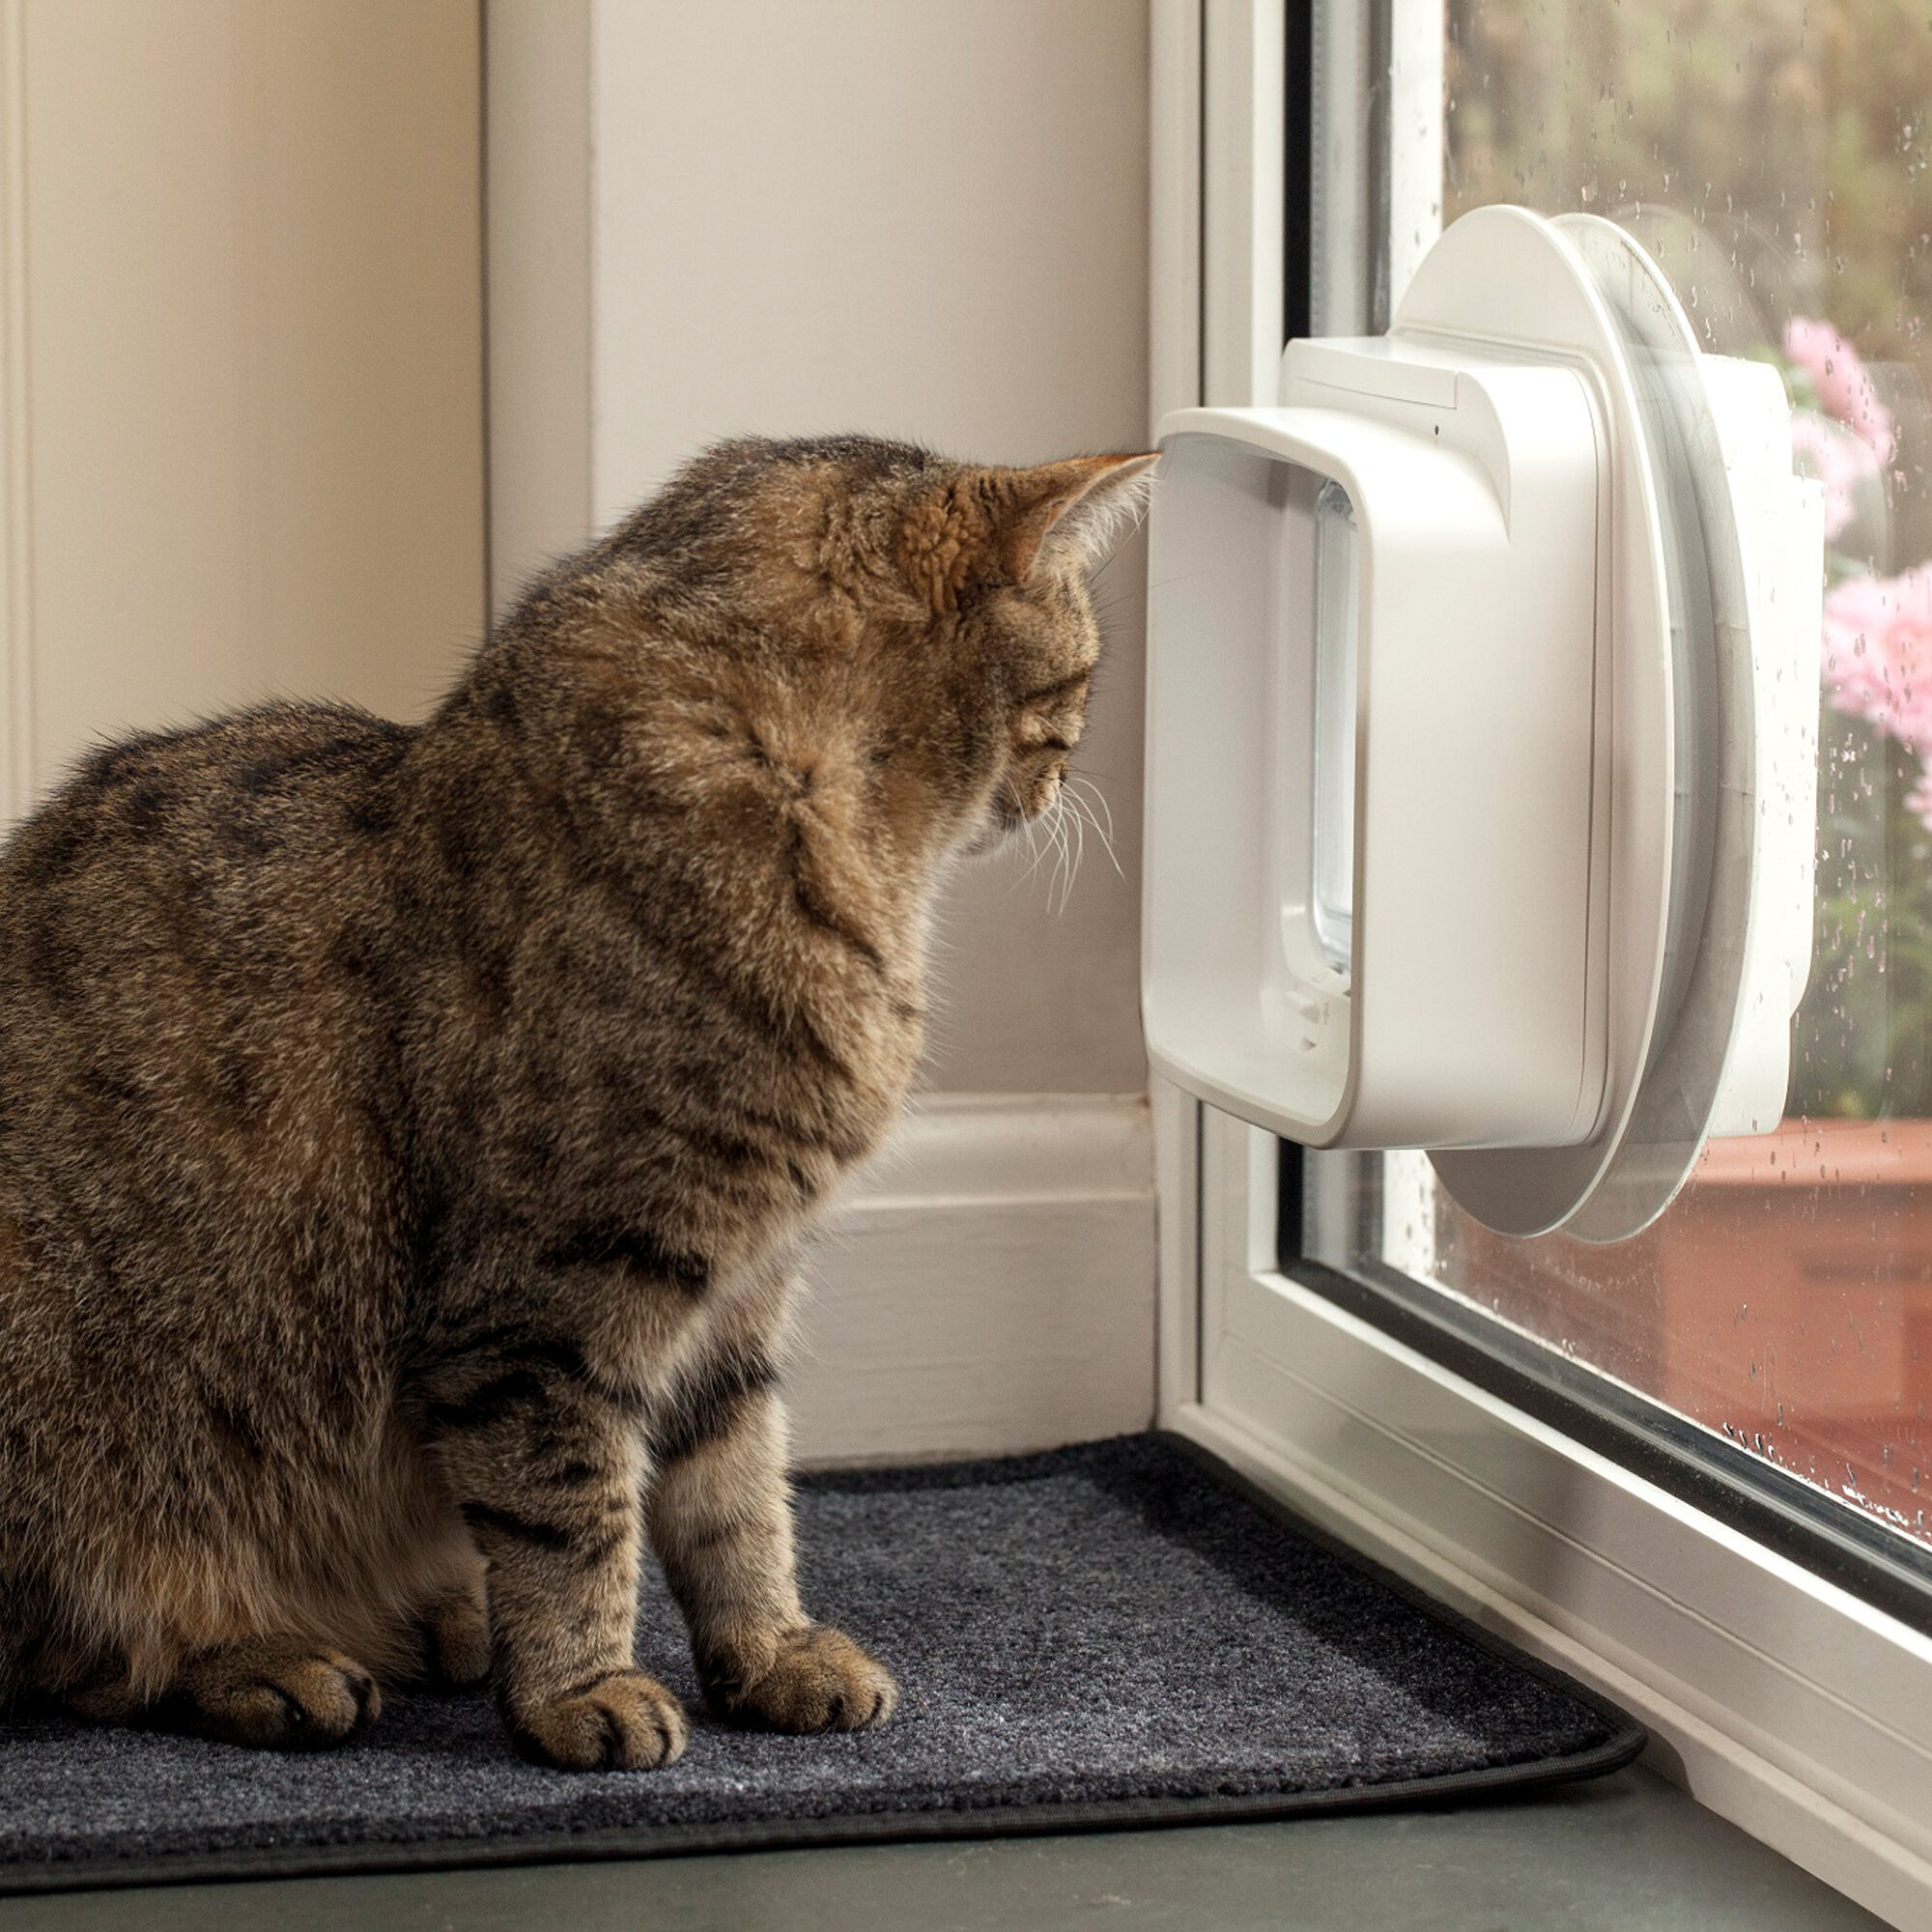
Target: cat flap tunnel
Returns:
[1483, 687]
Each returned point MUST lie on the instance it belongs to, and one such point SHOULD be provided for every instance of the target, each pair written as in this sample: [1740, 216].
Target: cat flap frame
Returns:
[1583, 740]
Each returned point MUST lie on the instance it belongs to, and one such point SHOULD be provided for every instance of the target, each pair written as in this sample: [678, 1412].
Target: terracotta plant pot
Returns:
[1784, 1300]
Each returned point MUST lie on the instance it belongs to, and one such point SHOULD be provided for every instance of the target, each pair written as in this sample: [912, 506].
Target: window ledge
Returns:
[1779, 1701]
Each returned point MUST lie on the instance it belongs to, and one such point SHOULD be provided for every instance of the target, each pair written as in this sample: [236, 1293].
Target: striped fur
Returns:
[407, 1133]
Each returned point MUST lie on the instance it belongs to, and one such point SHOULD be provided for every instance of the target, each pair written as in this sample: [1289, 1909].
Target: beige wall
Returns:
[908, 217]
[239, 282]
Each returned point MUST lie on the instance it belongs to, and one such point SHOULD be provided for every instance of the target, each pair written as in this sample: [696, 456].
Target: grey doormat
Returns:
[1109, 1635]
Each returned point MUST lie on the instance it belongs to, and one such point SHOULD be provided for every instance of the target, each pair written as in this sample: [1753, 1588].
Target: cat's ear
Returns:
[1078, 509]
[1000, 525]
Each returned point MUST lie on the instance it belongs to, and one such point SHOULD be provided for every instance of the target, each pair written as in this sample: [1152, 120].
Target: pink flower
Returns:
[1878, 652]
[1839, 460]
[1839, 379]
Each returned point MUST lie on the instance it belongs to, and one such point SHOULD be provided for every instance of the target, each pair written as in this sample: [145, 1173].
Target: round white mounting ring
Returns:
[1712, 797]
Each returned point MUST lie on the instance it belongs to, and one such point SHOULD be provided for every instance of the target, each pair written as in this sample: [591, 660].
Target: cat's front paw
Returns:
[818, 1681]
[624, 1721]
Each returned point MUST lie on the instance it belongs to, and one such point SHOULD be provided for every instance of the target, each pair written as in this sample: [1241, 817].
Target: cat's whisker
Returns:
[1066, 827]
[1035, 848]
[1085, 787]
[1086, 812]
[1049, 821]
[1085, 808]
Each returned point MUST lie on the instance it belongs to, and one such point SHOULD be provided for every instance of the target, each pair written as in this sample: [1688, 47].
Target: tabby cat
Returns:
[407, 1133]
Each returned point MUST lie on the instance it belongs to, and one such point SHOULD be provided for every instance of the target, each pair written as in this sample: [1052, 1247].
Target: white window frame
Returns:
[1777, 1699]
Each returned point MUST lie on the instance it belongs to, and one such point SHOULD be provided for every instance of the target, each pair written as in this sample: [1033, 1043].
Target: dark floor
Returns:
[1627, 1853]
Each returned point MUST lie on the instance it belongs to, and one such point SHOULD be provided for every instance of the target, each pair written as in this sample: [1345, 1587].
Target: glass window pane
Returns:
[1776, 159]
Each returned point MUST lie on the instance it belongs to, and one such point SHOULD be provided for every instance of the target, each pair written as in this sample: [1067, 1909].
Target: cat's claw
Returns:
[624, 1721]
[819, 1681]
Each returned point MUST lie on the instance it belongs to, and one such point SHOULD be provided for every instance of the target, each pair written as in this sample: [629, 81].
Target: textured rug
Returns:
[1108, 1636]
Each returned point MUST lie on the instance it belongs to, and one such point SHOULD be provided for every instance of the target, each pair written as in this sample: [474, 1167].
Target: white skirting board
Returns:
[987, 1287]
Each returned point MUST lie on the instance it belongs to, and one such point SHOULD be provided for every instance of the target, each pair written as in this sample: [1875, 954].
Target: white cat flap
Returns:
[1482, 736]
